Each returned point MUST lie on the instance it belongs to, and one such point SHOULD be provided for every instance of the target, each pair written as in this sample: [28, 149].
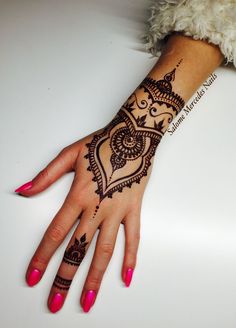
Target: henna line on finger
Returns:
[62, 283]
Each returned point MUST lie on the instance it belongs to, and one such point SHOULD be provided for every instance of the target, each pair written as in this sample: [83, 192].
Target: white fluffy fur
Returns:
[211, 20]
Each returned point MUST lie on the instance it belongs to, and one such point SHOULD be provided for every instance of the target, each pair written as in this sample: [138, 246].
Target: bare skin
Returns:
[112, 167]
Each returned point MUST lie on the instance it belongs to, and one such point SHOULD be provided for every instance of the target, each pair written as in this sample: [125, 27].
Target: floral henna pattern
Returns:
[75, 253]
[121, 154]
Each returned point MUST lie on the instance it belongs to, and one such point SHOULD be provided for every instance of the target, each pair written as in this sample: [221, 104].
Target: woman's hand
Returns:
[112, 167]
[111, 171]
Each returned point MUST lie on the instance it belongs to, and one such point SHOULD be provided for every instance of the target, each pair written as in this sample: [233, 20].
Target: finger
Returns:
[73, 257]
[54, 235]
[102, 255]
[132, 238]
[60, 165]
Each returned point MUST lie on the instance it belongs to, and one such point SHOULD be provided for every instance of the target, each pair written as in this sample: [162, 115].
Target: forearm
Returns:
[183, 66]
[121, 154]
[199, 60]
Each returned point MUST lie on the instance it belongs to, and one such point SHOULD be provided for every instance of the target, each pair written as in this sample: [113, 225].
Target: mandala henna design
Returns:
[62, 283]
[75, 253]
[130, 140]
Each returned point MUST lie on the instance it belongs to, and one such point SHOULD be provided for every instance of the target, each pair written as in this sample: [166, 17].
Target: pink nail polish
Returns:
[33, 277]
[24, 187]
[56, 303]
[89, 300]
[128, 277]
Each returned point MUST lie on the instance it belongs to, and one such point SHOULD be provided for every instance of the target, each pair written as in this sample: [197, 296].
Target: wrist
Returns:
[153, 105]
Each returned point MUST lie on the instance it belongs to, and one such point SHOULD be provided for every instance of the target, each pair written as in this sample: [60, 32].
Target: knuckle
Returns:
[94, 282]
[64, 151]
[39, 260]
[95, 277]
[69, 204]
[73, 201]
[55, 233]
[67, 154]
[132, 245]
[106, 248]
[134, 211]
[44, 174]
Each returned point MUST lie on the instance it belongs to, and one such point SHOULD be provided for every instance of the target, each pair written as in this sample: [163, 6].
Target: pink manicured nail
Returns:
[33, 277]
[56, 303]
[89, 300]
[128, 277]
[24, 187]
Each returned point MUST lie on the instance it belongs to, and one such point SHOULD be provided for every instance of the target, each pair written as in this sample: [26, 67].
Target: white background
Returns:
[66, 67]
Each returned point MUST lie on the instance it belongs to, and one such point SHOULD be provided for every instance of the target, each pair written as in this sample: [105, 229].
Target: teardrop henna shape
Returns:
[121, 154]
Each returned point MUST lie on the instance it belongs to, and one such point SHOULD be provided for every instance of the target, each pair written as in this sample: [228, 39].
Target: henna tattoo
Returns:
[62, 283]
[130, 140]
[75, 253]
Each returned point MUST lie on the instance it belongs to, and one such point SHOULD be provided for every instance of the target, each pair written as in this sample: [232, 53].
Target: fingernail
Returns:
[56, 303]
[128, 277]
[24, 187]
[89, 300]
[33, 277]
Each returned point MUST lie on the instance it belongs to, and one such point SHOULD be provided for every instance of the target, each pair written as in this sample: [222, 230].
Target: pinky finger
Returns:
[132, 238]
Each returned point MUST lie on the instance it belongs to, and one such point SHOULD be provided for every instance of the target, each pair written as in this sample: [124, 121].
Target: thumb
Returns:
[61, 164]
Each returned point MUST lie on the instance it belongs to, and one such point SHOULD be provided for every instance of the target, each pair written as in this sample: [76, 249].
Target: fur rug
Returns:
[211, 20]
